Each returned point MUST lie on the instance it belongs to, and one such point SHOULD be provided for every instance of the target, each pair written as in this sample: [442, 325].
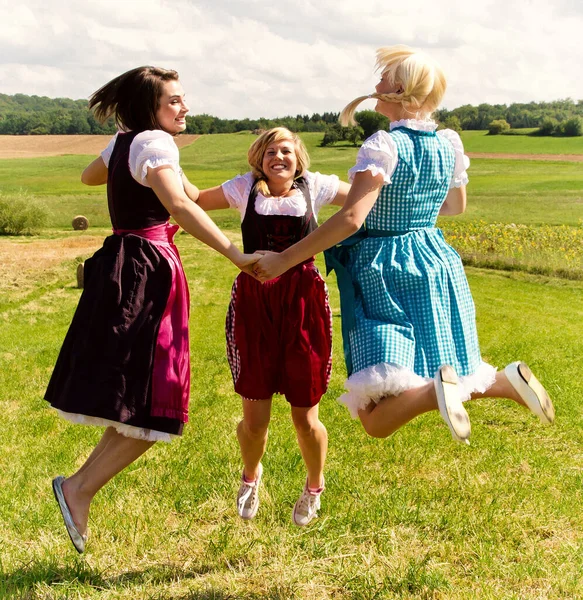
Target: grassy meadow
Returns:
[412, 516]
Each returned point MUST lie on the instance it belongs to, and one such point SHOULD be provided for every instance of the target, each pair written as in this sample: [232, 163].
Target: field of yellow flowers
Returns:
[543, 249]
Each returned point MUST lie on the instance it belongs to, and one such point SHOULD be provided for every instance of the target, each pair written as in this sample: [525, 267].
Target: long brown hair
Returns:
[132, 98]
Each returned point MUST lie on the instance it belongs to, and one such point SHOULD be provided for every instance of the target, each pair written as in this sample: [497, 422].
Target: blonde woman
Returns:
[279, 336]
[408, 317]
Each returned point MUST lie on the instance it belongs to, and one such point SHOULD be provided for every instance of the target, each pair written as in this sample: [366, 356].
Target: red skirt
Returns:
[279, 336]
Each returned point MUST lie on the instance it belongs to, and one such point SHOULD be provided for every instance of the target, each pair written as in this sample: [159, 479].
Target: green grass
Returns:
[480, 141]
[413, 516]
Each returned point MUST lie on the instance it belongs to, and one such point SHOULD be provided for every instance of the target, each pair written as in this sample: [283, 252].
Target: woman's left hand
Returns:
[269, 266]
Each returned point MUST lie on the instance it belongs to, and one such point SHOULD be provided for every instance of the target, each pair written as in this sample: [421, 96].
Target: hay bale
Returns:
[80, 275]
[80, 223]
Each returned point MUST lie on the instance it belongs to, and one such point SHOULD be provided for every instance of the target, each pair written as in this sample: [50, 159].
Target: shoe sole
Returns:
[532, 392]
[450, 405]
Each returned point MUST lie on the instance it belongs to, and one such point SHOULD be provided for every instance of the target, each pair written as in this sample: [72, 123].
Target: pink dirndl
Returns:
[171, 370]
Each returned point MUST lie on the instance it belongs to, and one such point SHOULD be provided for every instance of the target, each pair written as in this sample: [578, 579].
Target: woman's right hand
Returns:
[247, 262]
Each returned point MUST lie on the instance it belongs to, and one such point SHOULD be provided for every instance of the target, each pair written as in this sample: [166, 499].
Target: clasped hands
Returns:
[264, 265]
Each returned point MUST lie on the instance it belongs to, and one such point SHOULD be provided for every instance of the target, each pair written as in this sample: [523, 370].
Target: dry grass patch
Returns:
[33, 146]
[25, 263]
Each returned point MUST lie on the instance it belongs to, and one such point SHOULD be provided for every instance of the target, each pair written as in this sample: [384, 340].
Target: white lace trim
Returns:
[138, 433]
[294, 205]
[384, 379]
[374, 169]
[418, 124]
[378, 154]
[323, 190]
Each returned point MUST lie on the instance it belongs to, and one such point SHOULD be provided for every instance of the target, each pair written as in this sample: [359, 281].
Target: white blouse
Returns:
[379, 154]
[151, 148]
[323, 190]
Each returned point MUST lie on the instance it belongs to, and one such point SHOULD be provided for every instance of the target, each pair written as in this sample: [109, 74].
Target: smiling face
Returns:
[172, 108]
[280, 162]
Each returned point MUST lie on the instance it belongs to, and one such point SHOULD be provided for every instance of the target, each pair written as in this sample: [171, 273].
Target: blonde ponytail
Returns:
[421, 79]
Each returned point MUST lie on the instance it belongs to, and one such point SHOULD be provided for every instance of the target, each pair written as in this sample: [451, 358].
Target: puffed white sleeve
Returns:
[106, 154]
[323, 188]
[153, 148]
[462, 162]
[237, 191]
[378, 154]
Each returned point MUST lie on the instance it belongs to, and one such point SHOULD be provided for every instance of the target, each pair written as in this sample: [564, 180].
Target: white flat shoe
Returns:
[76, 537]
[450, 404]
[531, 391]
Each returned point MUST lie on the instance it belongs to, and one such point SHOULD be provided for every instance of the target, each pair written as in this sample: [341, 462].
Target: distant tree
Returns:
[371, 121]
[451, 122]
[498, 126]
[333, 133]
[354, 135]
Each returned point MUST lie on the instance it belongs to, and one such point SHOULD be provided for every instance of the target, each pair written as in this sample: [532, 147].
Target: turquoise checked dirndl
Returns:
[405, 301]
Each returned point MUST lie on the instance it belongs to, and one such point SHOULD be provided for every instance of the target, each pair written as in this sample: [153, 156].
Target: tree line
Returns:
[38, 115]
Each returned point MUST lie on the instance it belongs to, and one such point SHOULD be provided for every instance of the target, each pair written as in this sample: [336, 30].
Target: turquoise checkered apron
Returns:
[404, 295]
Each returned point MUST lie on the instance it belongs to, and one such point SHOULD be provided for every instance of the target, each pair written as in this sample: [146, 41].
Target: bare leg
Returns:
[313, 442]
[108, 434]
[117, 452]
[501, 388]
[392, 412]
[252, 434]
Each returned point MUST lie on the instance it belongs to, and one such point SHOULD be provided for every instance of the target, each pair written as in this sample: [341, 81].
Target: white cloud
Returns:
[252, 58]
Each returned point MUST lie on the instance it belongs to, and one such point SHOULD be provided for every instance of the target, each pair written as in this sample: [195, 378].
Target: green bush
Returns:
[572, 127]
[498, 126]
[549, 126]
[451, 122]
[21, 214]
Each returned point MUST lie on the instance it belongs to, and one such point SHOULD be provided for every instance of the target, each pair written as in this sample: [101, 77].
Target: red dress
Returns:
[279, 333]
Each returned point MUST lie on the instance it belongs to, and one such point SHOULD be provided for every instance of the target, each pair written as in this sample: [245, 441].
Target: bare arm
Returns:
[213, 199]
[361, 198]
[455, 202]
[342, 194]
[191, 217]
[191, 190]
[95, 173]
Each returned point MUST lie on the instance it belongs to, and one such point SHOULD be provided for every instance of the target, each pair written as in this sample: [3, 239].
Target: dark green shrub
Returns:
[549, 126]
[572, 127]
[21, 214]
[498, 126]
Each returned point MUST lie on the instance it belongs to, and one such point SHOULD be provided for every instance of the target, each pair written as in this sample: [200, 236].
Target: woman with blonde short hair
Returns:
[279, 334]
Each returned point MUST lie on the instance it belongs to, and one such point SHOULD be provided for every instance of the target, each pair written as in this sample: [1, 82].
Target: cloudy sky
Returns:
[253, 58]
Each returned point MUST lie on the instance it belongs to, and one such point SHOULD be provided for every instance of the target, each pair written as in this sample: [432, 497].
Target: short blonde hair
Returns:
[420, 79]
[260, 145]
